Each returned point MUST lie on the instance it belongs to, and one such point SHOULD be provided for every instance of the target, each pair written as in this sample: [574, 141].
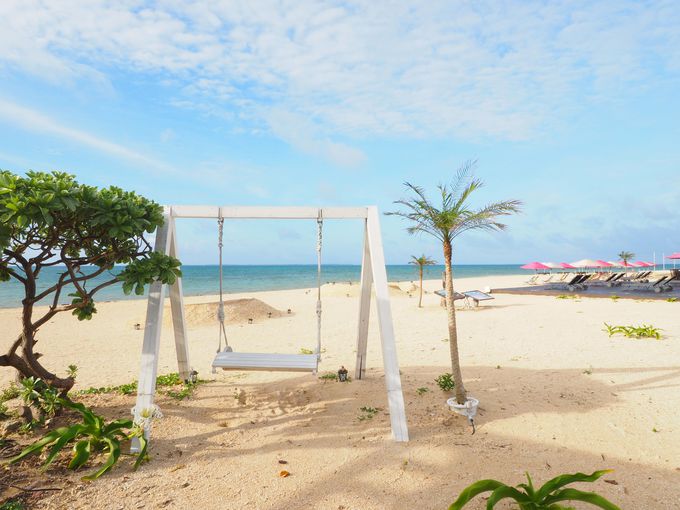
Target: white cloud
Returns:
[302, 134]
[361, 69]
[37, 122]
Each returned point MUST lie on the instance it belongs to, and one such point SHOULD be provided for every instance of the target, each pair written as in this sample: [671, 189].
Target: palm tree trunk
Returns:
[420, 300]
[453, 332]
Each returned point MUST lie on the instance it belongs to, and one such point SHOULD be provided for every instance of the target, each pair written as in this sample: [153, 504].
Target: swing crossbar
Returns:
[268, 362]
[274, 213]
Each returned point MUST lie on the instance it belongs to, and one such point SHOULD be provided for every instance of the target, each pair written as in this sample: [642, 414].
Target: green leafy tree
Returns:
[625, 256]
[447, 219]
[94, 237]
[421, 262]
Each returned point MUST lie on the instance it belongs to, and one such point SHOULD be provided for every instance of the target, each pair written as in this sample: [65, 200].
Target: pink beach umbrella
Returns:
[564, 265]
[535, 265]
[625, 263]
[674, 256]
[602, 263]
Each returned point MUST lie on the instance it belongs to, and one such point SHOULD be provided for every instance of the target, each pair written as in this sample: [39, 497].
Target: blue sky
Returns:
[571, 107]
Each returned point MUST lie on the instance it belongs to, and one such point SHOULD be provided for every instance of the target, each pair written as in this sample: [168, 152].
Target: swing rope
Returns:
[220, 306]
[319, 239]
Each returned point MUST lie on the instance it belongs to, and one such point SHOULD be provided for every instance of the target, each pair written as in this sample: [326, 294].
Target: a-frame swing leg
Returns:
[364, 308]
[178, 319]
[146, 387]
[395, 397]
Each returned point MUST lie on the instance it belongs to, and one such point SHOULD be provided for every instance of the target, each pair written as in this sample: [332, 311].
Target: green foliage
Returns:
[171, 379]
[37, 394]
[163, 381]
[79, 226]
[422, 390]
[566, 296]
[12, 391]
[527, 497]
[625, 256]
[72, 371]
[329, 376]
[445, 382]
[422, 261]
[304, 350]
[614, 297]
[672, 299]
[644, 331]
[12, 504]
[367, 413]
[94, 435]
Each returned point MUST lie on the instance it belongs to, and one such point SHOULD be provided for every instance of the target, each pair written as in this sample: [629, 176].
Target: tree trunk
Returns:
[420, 299]
[27, 365]
[453, 333]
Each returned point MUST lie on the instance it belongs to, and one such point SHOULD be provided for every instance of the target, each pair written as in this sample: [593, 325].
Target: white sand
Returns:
[556, 395]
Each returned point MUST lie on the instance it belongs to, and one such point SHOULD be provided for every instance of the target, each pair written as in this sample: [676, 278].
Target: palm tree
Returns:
[421, 262]
[446, 222]
[626, 256]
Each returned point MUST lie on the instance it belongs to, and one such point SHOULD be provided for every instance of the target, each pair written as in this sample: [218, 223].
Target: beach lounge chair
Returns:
[566, 285]
[660, 285]
[471, 295]
[580, 284]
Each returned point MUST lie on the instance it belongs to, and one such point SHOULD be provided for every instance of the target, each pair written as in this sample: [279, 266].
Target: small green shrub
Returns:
[171, 379]
[644, 331]
[329, 376]
[566, 296]
[9, 393]
[672, 299]
[529, 498]
[72, 371]
[445, 382]
[422, 390]
[367, 412]
[38, 395]
[303, 350]
[12, 504]
[615, 298]
[92, 436]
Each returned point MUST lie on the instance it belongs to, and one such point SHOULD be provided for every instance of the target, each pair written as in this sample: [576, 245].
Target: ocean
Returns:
[203, 280]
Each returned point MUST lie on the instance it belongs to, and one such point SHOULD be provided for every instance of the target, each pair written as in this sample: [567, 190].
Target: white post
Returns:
[178, 320]
[364, 308]
[146, 387]
[395, 396]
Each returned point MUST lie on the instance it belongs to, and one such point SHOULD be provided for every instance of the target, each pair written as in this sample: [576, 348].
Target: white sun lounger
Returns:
[475, 295]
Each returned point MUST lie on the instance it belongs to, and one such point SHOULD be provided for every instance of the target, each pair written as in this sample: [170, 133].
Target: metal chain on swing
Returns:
[220, 306]
[319, 240]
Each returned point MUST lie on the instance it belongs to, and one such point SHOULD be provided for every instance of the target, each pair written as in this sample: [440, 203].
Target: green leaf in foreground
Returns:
[545, 498]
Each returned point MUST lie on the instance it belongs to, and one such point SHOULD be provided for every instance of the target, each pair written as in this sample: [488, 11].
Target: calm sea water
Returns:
[202, 280]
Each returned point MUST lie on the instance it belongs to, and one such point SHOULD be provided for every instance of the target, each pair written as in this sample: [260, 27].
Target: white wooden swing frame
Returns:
[373, 272]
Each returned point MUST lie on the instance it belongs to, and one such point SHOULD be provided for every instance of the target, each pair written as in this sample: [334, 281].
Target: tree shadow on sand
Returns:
[339, 461]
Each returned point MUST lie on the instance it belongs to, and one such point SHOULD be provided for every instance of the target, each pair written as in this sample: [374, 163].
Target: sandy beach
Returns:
[557, 395]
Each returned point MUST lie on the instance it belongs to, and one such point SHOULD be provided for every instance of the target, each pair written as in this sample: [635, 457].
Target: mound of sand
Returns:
[352, 290]
[236, 311]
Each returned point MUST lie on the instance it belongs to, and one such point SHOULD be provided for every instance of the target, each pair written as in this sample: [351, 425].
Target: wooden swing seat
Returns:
[269, 362]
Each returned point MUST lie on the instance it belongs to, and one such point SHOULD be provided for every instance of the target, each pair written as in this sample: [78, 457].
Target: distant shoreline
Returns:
[202, 280]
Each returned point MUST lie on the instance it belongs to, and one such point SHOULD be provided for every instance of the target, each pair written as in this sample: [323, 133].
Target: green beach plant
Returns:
[421, 262]
[86, 234]
[446, 219]
[445, 382]
[527, 497]
[94, 435]
[644, 331]
[367, 413]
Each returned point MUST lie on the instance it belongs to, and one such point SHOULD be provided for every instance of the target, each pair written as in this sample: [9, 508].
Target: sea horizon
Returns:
[203, 279]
